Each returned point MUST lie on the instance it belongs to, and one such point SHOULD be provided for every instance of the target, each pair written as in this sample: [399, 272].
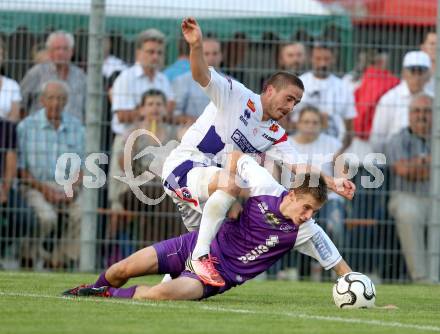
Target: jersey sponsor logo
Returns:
[274, 127]
[251, 105]
[241, 141]
[271, 242]
[273, 140]
[321, 245]
[271, 219]
[244, 118]
[283, 138]
[287, 228]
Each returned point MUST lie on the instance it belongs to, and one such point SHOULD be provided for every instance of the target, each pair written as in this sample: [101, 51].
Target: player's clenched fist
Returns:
[191, 31]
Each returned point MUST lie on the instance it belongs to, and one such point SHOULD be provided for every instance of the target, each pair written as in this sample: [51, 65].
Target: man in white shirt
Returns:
[330, 94]
[111, 63]
[392, 110]
[237, 119]
[128, 89]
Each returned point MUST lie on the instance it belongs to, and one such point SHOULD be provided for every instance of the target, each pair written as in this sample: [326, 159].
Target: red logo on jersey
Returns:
[251, 105]
[185, 195]
[274, 127]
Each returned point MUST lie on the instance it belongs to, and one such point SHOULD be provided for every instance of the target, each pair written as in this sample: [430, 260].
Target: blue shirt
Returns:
[179, 67]
[40, 144]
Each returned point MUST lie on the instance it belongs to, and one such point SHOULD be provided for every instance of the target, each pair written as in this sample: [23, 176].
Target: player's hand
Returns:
[191, 31]
[235, 210]
[344, 187]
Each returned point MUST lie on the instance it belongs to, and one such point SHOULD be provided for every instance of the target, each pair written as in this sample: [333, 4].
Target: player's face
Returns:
[322, 61]
[212, 52]
[153, 108]
[302, 208]
[281, 102]
[59, 50]
[150, 55]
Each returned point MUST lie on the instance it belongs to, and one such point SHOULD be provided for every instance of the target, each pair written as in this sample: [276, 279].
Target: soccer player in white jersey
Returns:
[236, 119]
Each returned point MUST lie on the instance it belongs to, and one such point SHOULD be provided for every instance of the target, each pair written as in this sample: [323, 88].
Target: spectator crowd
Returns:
[43, 116]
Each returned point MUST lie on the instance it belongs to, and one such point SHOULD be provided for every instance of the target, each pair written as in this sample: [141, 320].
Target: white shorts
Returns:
[188, 185]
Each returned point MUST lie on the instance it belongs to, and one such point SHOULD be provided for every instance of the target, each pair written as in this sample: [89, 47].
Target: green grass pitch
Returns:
[31, 303]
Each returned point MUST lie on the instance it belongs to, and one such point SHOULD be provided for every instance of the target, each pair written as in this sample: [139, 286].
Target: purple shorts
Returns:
[173, 253]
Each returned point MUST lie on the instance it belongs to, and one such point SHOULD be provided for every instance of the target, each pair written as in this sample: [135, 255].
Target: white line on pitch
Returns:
[233, 310]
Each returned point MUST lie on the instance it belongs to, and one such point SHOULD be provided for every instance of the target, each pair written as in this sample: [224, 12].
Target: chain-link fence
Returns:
[78, 80]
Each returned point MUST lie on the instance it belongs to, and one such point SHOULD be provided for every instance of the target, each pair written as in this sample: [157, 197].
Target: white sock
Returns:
[166, 278]
[214, 213]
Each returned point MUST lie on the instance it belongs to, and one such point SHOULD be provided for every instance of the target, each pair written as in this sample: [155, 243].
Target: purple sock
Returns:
[122, 292]
[101, 281]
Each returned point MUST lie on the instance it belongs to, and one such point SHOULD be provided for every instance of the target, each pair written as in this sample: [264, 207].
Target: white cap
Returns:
[416, 58]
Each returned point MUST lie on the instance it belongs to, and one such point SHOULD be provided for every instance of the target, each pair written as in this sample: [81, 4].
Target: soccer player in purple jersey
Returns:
[273, 221]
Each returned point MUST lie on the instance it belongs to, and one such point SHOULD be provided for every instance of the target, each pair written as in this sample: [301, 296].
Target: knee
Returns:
[232, 187]
[120, 270]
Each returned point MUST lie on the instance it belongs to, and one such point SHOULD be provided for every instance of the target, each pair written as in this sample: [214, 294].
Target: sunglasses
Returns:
[421, 109]
[417, 69]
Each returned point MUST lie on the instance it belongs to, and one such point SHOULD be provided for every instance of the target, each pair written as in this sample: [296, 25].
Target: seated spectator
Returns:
[43, 136]
[191, 100]
[321, 150]
[111, 63]
[332, 96]
[16, 218]
[152, 109]
[409, 156]
[59, 47]
[293, 58]
[181, 65]
[9, 93]
[392, 110]
[375, 81]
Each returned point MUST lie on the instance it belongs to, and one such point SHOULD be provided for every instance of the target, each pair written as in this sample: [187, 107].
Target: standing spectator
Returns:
[181, 65]
[43, 137]
[392, 110]
[409, 155]
[59, 47]
[111, 63]
[332, 96]
[9, 93]
[39, 54]
[16, 218]
[375, 81]
[293, 57]
[136, 80]
[191, 100]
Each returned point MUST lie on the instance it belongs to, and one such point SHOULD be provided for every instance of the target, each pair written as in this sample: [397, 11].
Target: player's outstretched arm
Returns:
[340, 186]
[193, 35]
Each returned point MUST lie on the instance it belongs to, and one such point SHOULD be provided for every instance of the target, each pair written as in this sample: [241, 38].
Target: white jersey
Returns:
[232, 121]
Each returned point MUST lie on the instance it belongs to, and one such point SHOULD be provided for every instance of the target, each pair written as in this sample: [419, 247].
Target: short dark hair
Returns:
[318, 191]
[282, 79]
[152, 92]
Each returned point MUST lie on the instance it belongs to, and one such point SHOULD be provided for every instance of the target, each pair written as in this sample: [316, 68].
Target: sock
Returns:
[122, 292]
[101, 281]
[214, 213]
[166, 278]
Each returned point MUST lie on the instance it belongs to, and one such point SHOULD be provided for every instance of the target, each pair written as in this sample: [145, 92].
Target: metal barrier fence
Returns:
[388, 231]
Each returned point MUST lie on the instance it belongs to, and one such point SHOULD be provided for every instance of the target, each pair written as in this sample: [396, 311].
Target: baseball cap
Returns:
[416, 59]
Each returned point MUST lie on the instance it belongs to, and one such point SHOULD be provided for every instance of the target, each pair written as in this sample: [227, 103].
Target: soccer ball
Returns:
[354, 290]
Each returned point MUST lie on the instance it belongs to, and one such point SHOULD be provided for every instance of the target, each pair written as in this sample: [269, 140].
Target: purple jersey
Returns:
[249, 246]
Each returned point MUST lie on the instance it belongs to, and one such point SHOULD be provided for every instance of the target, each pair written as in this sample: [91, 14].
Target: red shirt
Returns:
[374, 83]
